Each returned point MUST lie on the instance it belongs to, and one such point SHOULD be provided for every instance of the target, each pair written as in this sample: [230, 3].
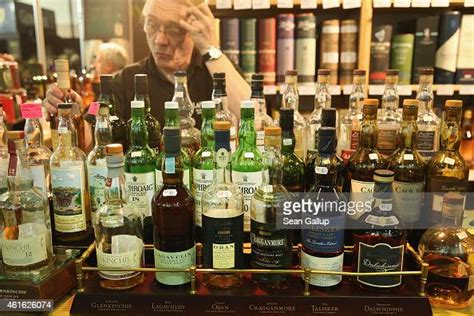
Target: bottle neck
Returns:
[138, 129]
[247, 133]
[19, 176]
[323, 97]
[181, 95]
[451, 135]
[287, 141]
[103, 130]
[383, 195]
[67, 136]
[171, 118]
[273, 142]
[408, 131]
[390, 98]
[207, 130]
[425, 95]
[172, 166]
[357, 97]
[290, 96]
[274, 162]
[33, 133]
[452, 220]
[115, 185]
[368, 133]
[110, 100]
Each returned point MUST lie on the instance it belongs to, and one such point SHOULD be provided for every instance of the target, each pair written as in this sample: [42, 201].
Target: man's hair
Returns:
[114, 54]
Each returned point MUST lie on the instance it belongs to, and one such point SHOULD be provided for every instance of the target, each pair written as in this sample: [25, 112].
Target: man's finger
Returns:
[204, 8]
[197, 13]
[56, 92]
[188, 27]
[50, 107]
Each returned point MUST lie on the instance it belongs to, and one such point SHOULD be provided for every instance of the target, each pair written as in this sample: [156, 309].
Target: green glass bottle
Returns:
[247, 166]
[203, 162]
[172, 120]
[140, 168]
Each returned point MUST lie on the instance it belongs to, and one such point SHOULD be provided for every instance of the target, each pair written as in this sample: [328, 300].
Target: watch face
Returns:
[215, 53]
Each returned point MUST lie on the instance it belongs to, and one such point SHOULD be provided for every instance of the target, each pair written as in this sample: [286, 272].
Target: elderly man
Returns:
[180, 36]
[110, 58]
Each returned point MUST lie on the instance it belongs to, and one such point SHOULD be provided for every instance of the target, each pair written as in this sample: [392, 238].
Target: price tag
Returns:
[282, 88]
[462, 235]
[113, 118]
[401, 3]
[309, 4]
[170, 192]
[62, 130]
[31, 111]
[206, 154]
[242, 4]
[427, 118]
[376, 89]
[385, 207]
[466, 89]
[94, 108]
[373, 156]
[285, 4]
[404, 90]
[440, 3]
[448, 160]
[287, 141]
[351, 4]
[269, 90]
[346, 89]
[170, 165]
[267, 188]
[382, 3]
[224, 194]
[248, 155]
[321, 170]
[335, 89]
[445, 89]
[408, 156]
[261, 4]
[329, 4]
[307, 89]
[471, 175]
[469, 3]
[223, 4]
[420, 3]
[136, 154]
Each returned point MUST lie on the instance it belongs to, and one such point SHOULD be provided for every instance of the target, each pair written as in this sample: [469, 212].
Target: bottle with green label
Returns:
[26, 243]
[203, 162]
[118, 228]
[72, 216]
[172, 120]
[140, 168]
[262, 119]
[222, 217]
[173, 216]
[247, 167]
[96, 164]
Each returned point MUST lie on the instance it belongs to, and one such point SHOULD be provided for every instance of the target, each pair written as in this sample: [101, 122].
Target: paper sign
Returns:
[351, 4]
[269, 90]
[466, 89]
[440, 3]
[94, 108]
[31, 110]
[242, 4]
[260, 4]
[468, 3]
[285, 4]
[347, 89]
[376, 89]
[401, 3]
[404, 89]
[445, 89]
[309, 89]
[309, 4]
[420, 3]
[329, 4]
[382, 3]
[223, 4]
[335, 90]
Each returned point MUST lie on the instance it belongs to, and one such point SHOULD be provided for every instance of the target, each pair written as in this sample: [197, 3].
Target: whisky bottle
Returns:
[467, 142]
[448, 249]
[366, 159]
[428, 122]
[219, 95]
[119, 126]
[323, 247]
[447, 170]
[152, 124]
[203, 162]
[96, 164]
[222, 217]
[409, 168]
[247, 168]
[389, 120]
[262, 119]
[271, 247]
[173, 216]
[191, 136]
[380, 238]
[72, 216]
[349, 128]
[140, 168]
[3, 154]
[322, 100]
[118, 228]
[172, 120]
[291, 100]
[27, 247]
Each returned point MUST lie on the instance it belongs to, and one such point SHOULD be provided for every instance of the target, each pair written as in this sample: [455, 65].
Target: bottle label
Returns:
[327, 239]
[387, 139]
[261, 141]
[408, 197]
[248, 183]
[271, 248]
[174, 260]
[3, 174]
[441, 186]
[159, 179]
[364, 190]
[202, 180]
[380, 258]
[27, 251]
[141, 188]
[222, 238]
[382, 221]
[39, 178]
[129, 259]
[425, 140]
[68, 188]
[354, 139]
[327, 264]
[97, 179]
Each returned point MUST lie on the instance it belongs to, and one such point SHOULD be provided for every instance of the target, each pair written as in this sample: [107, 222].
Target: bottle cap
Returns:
[221, 125]
[324, 72]
[453, 104]
[359, 72]
[384, 176]
[371, 102]
[103, 105]
[15, 135]
[208, 104]
[141, 83]
[219, 75]
[291, 73]
[413, 102]
[328, 117]
[410, 108]
[65, 106]
[61, 65]
[180, 73]
[137, 104]
[106, 79]
[114, 149]
[247, 104]
[468, 114]
[272, 131]
[172, 140]
[392, 72]
[348, 22]
[327, 139]
[171, 105]
[287, 118]
[426, 71]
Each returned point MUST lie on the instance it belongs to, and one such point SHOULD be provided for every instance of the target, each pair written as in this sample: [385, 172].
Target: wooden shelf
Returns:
[319, 2]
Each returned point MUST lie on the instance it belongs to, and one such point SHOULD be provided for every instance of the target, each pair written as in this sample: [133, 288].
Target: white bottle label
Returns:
[223, 256]
[24, 252]
[129, 259]
[382, 220]
[202, 180]
[248, 183]
[261, 141]
[174, 260]
[326, 264]
[39, 178]
[141, 188]
[97, 177]
[408, 198]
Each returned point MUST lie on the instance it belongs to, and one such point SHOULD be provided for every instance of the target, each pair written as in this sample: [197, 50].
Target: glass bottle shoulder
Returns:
[68, 154]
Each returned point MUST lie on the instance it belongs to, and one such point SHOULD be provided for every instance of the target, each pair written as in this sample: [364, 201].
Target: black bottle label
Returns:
[425, 140]
[327, 239]
[380, 258]
[271, 248]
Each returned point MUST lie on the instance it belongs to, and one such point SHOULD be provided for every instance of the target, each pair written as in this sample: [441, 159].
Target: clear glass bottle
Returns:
[3, 154]
[349, 128]
[118, 228]
[271, 247]
[27, 247]
[222, 217]
[173, 216]
[96, 164]
[291, 100]
[449, 249]
[72, 216]
[191, 136]
[322, 99]
[262, 119]
[428, 122]
[219, 95]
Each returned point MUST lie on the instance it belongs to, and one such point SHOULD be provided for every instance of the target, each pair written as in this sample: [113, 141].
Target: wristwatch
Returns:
[213, 53]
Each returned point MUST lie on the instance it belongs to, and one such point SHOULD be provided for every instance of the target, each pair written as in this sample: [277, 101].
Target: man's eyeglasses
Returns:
[175, 33]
